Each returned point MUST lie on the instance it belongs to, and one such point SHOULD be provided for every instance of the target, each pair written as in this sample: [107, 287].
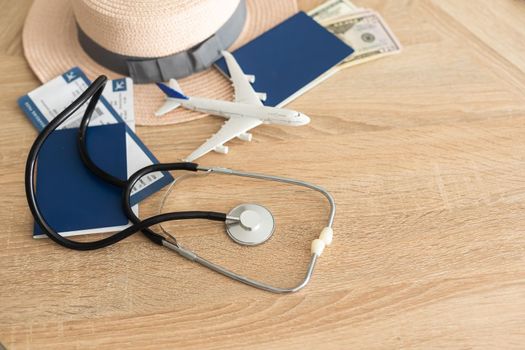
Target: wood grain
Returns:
[424, 152]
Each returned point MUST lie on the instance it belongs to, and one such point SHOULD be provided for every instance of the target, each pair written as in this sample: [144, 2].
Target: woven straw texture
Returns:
[51, 47]
[151, 29]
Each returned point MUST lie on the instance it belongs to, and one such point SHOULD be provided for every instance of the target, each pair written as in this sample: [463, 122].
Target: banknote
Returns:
[332, 9]
[367, 33]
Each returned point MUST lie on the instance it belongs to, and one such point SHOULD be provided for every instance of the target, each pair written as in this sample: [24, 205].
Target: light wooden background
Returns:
[425, 154]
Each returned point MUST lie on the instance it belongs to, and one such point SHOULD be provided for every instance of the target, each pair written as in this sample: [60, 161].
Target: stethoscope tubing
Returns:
[93, 93]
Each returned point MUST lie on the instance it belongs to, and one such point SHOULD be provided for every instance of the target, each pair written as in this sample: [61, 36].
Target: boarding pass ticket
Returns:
[115, 106]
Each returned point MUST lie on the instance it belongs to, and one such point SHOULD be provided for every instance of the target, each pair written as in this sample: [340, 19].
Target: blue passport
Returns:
[290, 58]
[70, 196]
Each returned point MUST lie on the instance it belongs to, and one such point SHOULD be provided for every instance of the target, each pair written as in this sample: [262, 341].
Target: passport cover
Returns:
[70, 196]
[290, 58]
[45, 102]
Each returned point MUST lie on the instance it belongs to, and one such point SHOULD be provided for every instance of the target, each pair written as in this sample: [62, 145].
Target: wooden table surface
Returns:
[424, 153]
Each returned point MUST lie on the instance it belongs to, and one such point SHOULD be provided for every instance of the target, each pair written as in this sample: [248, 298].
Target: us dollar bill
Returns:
[367, 33]
[332, 9]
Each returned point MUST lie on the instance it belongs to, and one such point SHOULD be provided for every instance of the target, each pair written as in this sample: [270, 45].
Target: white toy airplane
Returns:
[244, 114]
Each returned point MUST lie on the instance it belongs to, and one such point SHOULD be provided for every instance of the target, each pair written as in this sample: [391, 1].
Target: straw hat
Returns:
[143, 29]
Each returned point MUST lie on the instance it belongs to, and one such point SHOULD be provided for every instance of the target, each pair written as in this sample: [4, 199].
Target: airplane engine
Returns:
[250, 78]
[221, 149]
[245, 136]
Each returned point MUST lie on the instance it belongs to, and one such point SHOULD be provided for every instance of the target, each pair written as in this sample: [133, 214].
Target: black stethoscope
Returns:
[248, 224]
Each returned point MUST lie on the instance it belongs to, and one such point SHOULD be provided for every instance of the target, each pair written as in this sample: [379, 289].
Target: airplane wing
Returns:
[232, 128]
[168, 106]
[244, 92]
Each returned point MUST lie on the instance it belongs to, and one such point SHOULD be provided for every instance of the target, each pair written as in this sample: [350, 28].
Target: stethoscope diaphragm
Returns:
[250, 224]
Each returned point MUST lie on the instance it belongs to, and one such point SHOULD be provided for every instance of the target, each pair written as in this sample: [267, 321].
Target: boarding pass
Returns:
[47, 101]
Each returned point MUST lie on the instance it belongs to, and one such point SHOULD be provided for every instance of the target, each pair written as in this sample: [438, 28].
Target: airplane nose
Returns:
[305, 119]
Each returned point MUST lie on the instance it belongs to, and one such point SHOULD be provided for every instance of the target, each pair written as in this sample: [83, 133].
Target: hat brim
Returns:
[51, 47]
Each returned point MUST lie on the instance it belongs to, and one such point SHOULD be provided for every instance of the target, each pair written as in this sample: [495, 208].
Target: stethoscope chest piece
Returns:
[250, 224]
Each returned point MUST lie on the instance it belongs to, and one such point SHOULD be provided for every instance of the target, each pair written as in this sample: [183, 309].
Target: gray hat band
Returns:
[182, 64]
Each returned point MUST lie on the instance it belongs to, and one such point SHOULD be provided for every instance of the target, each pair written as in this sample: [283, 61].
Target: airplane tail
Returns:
[173, 91]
